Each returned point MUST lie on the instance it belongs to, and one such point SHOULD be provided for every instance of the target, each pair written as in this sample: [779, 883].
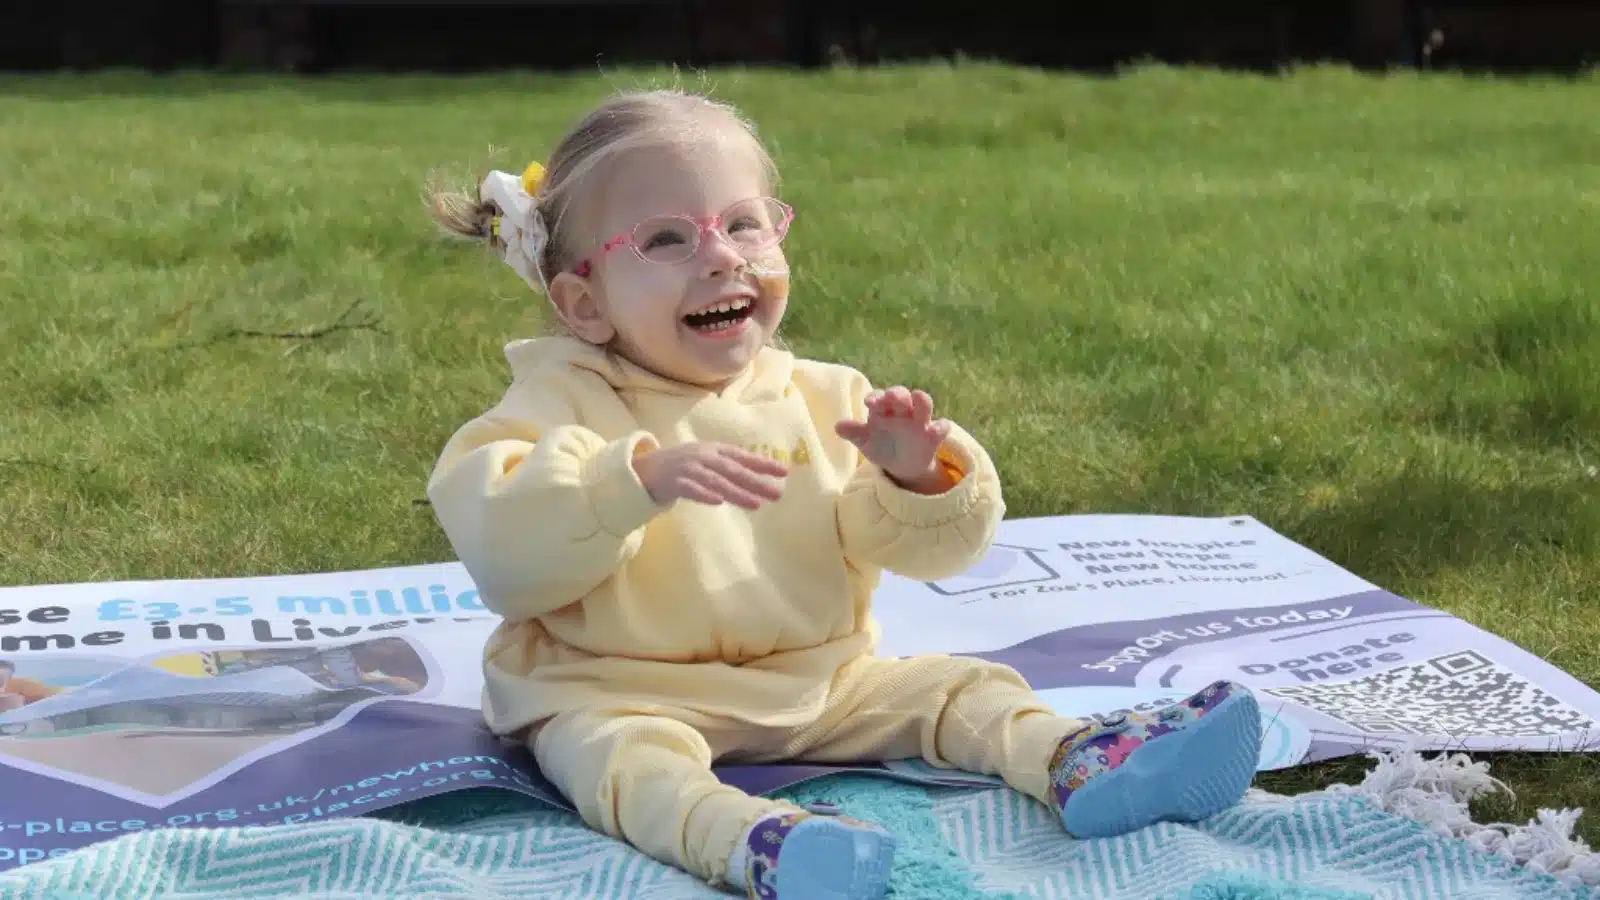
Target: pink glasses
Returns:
[750, 226]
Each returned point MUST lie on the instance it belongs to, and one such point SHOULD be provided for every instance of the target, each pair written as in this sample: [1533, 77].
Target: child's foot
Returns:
[800, 856]
[1186, 762]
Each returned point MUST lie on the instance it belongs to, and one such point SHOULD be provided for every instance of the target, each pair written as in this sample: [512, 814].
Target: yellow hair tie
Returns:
[532, 177]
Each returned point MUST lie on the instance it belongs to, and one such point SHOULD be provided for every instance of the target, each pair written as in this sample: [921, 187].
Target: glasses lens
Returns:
[666, 239]
[755, 224]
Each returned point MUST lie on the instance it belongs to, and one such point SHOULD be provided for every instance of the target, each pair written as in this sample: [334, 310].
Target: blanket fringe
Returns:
[1436, 793]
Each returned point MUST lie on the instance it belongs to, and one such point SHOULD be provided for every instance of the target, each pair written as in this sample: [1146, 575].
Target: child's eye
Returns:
[662, 239]
[743, 224]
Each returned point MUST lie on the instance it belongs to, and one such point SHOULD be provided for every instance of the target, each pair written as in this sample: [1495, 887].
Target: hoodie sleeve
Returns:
[539, 510]
[915, 535]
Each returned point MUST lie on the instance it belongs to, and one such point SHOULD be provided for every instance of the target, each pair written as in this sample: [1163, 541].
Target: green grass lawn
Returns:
[1362, 310]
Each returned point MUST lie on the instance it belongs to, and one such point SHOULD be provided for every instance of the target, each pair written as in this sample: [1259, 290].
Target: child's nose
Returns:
[721, 256]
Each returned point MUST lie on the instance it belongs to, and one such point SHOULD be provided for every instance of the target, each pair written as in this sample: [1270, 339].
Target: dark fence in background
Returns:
[332, 35]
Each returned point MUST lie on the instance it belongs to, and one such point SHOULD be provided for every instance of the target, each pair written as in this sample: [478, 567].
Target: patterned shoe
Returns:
[824, 857]
[1186, 762]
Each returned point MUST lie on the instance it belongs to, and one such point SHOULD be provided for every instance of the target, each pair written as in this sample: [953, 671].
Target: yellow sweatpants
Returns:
[646, 778]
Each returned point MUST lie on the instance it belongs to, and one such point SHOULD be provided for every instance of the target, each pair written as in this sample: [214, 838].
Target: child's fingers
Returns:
[854, 432]
[940, 430]
[687, 488]
[921, 406]
[755, 462]
[747, 487]
[897, 402]
[728, 490]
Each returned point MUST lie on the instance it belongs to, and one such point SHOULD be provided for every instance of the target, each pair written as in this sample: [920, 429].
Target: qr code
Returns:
[1456, 695]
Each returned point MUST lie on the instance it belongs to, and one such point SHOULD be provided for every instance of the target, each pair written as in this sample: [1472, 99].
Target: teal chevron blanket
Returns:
[1404, 833]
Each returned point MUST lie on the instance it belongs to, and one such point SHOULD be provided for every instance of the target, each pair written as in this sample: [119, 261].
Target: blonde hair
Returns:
[631, 121]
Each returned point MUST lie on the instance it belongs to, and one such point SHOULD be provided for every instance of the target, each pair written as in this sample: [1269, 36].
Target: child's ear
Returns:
[576, 303]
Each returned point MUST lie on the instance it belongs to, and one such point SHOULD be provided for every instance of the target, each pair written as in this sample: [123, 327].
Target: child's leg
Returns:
[1194, 759]
[953, 712]
[647, 780]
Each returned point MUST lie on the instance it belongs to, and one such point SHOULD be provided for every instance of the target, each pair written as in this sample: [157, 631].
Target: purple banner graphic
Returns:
[385, 755]
[1114, 653]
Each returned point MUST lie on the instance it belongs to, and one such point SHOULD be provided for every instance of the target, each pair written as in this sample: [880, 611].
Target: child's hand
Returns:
[902, 438]
[712, 474]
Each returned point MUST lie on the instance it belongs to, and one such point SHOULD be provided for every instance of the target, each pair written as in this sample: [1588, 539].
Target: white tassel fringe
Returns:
[1435, 793]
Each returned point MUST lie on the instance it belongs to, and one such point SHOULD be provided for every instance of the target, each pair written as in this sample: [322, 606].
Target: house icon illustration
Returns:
[1006, 565]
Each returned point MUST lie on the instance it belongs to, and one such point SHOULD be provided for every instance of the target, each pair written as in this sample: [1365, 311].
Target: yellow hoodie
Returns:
[610, 600]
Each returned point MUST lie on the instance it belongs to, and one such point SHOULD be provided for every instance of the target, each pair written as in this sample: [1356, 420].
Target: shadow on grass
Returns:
[1523, 376]
[1416, 523]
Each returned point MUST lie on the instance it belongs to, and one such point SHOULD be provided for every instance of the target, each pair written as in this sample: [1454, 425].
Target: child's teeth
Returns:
[726, 306]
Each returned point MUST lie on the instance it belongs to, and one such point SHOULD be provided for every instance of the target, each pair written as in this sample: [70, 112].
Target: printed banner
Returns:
[139, 705]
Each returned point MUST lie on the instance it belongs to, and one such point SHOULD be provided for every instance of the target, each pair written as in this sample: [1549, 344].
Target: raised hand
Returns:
[712, 474]
[901, 437]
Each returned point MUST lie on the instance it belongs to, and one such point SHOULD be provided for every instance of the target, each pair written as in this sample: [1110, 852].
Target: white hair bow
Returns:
[520, 227]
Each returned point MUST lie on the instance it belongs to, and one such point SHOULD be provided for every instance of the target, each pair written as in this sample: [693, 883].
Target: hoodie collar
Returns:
[765, 379]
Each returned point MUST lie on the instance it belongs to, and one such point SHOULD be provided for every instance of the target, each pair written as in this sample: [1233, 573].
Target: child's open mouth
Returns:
[722, 318]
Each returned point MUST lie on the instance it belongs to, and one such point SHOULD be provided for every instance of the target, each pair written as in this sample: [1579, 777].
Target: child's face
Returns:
[656, 309]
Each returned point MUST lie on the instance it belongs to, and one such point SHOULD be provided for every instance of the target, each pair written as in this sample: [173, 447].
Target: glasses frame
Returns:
[704, 225]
